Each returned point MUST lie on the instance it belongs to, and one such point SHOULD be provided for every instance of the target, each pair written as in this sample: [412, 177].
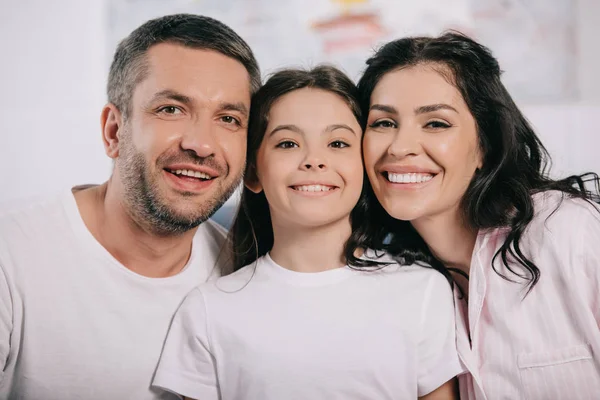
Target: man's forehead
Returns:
[194, 73]
[172, 55]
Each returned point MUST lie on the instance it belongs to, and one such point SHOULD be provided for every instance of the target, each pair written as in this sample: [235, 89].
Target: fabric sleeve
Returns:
[186, 365]
[6, 318]
[438, 357]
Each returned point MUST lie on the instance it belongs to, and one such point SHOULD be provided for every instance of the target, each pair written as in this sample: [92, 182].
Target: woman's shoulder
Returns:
[558, 211]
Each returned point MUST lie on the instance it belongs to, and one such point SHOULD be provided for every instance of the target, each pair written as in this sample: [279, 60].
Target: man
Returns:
[90, 281]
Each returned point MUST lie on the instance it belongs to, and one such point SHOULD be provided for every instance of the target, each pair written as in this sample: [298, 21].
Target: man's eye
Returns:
[172, 110]
[228, 119]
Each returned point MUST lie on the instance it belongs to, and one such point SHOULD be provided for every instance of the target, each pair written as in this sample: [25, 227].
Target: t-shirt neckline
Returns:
[276, 271]
[91, 243]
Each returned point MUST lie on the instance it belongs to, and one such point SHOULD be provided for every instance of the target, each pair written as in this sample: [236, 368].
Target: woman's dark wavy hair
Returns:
[515, 163]
[251, 232]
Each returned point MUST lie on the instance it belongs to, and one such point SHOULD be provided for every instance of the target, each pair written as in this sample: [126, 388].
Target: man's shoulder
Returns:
[33, 231]
[216, 249]
[32, 214]
[212, 234]
[213, 228]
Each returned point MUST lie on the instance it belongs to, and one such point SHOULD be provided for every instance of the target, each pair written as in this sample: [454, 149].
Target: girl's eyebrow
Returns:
[296, 129]
[333, 127]
[287, 127]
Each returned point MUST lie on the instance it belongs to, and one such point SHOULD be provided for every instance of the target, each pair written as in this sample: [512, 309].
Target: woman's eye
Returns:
[228, 119]
[383, 123]
[171, 110]
[437, 125]
[286, 144]
[338, 144]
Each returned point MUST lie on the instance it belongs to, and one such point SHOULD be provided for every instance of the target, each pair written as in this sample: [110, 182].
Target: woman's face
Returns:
[421, 146]
[310, 163]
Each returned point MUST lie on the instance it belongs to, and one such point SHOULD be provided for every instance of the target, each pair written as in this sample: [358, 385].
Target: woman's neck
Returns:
[310, 249]
[449, 239]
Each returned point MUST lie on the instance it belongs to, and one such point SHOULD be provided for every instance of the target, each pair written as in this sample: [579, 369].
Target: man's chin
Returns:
[192, 206]
[186, 210]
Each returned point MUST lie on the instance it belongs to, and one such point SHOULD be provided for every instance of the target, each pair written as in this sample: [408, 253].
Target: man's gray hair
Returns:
[129, 66]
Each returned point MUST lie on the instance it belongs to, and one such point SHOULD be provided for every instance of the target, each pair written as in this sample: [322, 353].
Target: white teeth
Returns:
[409, 178]
[313, 188]
[193, 174]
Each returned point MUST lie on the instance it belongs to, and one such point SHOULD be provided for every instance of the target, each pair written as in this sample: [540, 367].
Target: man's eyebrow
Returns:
[239, 107]
[172, 95]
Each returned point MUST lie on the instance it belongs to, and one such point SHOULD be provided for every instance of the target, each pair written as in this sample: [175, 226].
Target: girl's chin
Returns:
[310, 220]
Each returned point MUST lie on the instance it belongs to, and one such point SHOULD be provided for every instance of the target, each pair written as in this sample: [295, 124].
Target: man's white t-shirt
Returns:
[74, 322]
[268, 333]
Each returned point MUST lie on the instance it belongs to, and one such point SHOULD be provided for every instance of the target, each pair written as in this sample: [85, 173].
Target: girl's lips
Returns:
[314, 190]
[313, 187]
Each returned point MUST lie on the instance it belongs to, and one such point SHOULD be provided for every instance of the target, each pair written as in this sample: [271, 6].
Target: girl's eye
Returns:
[338, 144]
[171, 110]
[437, 125]
[228, 119]
[383, 123]
[286, 144]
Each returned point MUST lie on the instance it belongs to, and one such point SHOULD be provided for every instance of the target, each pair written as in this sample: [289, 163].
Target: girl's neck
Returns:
[310, 249]
[449, 238]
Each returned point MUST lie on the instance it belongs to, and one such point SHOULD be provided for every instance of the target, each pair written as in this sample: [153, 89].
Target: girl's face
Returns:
[421, 147]
[309, 163]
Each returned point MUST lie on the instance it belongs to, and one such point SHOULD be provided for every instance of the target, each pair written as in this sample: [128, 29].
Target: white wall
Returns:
[589, 50]
[52, 79]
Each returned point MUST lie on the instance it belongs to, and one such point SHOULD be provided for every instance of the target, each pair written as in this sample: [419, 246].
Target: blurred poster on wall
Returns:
[533, 39]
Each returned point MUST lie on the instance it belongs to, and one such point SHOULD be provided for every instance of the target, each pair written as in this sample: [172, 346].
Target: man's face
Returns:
[182, 149]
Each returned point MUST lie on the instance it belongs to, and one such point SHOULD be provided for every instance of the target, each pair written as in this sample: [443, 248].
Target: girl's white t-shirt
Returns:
[266, 332]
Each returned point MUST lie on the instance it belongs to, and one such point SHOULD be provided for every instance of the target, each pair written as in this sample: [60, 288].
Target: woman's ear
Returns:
[251, 180]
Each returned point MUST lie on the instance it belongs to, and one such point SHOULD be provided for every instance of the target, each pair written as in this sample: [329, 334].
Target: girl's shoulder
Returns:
[232, 282]
[392, 267]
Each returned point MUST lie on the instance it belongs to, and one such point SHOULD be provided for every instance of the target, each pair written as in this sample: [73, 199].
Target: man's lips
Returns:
[192, 171]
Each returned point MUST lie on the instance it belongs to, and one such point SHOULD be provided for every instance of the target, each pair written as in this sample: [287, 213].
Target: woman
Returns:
[463, 175]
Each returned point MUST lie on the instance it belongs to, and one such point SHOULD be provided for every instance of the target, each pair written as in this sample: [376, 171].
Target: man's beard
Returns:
[142, 193]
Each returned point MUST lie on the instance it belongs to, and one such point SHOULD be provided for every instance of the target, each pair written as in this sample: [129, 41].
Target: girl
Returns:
[301, 318]
[452, 159]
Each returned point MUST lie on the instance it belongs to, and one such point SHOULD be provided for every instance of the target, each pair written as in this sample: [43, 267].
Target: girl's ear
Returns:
[251, 181]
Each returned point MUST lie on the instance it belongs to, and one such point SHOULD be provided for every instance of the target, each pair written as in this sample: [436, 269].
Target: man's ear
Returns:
[111, 121]
[251, 180]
